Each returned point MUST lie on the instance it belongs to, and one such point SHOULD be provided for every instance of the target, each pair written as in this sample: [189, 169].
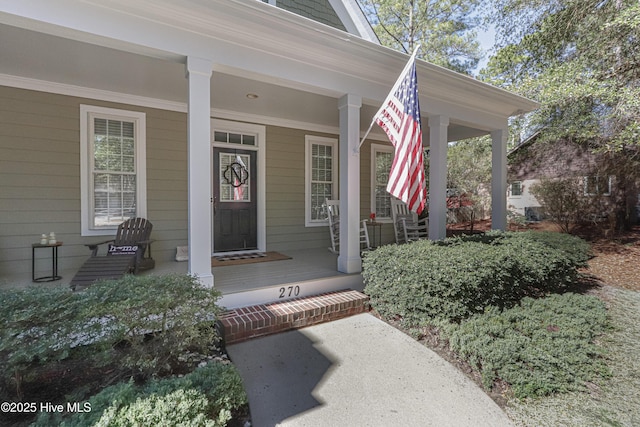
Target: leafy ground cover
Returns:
[615, 268]
[613, 402]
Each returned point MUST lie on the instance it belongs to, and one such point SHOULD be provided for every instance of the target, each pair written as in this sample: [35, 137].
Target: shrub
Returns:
[578, 250]
[458, 277]
[137, 324]
[564, 202]
[541, 347]
[206, 397]
[34, 326]
[152, 320]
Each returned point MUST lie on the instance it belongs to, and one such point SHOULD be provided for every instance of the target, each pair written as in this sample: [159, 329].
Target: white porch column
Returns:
[438, 133]
[499, 179]
[349, 260]
[199, 165]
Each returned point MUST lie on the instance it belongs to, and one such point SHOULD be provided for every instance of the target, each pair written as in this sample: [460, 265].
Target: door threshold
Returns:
[251, 251]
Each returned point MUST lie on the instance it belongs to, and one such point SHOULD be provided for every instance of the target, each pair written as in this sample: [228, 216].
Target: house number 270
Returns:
[289, 291]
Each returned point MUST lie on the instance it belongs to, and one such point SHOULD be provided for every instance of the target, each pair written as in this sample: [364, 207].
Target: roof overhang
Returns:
[301, 66]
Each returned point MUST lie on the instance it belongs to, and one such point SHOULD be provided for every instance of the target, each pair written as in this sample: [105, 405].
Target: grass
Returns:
[615, 401]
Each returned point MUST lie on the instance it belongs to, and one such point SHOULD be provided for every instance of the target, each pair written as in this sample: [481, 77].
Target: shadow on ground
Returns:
[280, 374]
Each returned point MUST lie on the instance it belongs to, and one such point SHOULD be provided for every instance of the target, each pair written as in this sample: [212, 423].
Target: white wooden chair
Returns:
[406, 224]
[333, 214]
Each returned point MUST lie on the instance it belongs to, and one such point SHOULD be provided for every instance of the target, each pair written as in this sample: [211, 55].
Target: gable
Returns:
[344, 15]
[318, 10]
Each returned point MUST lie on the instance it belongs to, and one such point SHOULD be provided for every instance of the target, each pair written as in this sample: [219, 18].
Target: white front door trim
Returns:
[260, 146]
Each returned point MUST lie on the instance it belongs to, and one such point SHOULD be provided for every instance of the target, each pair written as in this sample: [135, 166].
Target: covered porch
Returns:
[187, 65]
[307, 272]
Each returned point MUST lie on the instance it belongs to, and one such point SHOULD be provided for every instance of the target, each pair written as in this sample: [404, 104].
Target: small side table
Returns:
[54, 262]
[375, 225]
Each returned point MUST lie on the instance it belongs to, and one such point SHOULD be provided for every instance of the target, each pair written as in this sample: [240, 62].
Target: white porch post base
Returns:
[199, 166]
[499, 179]
[349, 260]
[438, 134]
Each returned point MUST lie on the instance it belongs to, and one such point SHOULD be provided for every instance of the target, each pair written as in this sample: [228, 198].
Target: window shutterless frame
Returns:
[381, 159]
[321, 177]
[135, 168]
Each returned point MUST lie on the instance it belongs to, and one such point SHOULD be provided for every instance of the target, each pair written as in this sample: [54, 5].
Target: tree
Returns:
[579, 58]
[444, 28]
[469, 173]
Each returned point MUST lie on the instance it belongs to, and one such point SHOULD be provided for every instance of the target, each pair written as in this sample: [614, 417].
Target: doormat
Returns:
[238, 259]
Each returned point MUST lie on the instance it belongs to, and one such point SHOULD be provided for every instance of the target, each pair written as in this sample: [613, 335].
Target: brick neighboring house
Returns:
[532, 161]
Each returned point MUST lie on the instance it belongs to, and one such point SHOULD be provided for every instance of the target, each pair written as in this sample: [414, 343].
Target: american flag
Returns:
[399, 117]
[238, 186]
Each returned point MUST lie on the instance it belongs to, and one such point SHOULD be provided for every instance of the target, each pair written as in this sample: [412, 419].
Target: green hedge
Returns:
[541, 347]
[206, 397]
[459, 277]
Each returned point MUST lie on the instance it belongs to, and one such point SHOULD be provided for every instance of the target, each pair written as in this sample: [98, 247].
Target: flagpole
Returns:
[393, 90]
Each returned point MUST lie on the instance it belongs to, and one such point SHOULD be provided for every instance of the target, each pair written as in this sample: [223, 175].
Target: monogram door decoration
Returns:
[234, 177]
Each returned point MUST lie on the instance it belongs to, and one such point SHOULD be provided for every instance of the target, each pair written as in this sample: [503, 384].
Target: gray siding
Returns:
[40, 177]
[286, 193]
[286, 230]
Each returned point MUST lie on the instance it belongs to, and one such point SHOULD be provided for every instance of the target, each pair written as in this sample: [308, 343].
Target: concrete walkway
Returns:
[357, 371]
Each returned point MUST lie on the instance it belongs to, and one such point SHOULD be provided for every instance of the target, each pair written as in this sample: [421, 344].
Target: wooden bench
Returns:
[103, 267]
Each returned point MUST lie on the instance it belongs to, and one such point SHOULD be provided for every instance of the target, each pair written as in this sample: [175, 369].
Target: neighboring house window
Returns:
[597, 185]
[381, 160]
[113, 168]
[516, 188]
[321, 177]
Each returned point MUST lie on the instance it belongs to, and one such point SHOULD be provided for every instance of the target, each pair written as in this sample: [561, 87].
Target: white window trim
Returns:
[87, 112]
[585, 181]
[378, 148]
[511, 190]
[309, 140]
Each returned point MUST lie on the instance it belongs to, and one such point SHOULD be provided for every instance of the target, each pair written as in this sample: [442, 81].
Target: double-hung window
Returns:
[321, 177]
[381, 161]
[113, 168]
[516, 188]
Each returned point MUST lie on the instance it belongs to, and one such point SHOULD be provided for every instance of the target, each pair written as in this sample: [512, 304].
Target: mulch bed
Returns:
[616, 261]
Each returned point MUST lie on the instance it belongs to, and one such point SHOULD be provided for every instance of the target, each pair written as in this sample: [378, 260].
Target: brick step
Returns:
[244, 323]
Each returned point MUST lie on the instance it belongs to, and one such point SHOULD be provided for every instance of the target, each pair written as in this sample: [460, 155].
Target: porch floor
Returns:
[308, 272]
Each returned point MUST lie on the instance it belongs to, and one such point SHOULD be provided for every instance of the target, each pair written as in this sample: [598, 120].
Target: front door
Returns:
[235, 207]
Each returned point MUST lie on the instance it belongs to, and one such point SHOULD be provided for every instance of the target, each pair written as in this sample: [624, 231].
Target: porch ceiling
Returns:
[294, 90]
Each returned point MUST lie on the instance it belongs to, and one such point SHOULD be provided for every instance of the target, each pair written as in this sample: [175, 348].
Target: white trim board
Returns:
[161, 104]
